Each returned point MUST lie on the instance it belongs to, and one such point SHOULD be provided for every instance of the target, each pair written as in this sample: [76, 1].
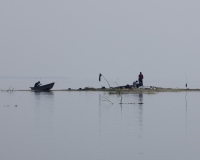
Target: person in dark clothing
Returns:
[37, 84]
[140, 79]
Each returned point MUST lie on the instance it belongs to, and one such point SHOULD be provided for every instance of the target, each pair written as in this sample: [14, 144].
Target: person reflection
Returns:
[140, 113]
[140, 98]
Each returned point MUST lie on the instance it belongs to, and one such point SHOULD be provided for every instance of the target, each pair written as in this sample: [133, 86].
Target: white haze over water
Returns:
[80, 39]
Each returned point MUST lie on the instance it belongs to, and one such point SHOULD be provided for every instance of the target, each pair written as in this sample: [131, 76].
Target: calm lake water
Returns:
[81, 125]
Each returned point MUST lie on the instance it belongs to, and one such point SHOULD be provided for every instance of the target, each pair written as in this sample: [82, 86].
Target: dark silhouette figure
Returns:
[100, 77]
[140, 79]
[135, 84]
[37, 84]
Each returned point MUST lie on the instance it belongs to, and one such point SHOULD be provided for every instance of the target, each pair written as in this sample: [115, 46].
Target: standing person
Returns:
[140, 79]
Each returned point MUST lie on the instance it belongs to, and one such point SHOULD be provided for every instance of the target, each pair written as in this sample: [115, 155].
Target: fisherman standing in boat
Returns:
[140, 79]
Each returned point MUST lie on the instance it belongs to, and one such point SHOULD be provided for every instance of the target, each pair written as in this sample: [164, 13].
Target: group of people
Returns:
[139, 83]
[136, 84]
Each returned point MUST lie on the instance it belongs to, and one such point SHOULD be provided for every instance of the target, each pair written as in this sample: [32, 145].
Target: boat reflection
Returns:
[41, 97]
[44, 112]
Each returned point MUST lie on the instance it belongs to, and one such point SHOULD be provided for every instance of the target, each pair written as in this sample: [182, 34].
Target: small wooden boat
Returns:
[46, 87]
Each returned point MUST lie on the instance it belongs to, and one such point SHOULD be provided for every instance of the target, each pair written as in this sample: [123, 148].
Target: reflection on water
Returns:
[44, 101]
[46, 95]
[99, 114]
[186, 111]
[74, 125]
[141, 113]
[140, 97]
[131, 112]
[44, 113]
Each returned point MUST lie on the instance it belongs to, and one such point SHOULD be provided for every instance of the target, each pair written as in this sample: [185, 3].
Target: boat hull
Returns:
[46, 87]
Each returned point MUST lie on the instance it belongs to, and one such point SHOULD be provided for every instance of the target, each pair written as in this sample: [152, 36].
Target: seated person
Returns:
[37, 84]
[135, 84]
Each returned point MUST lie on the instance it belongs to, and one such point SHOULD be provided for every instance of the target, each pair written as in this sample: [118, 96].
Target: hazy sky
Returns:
[119, 38]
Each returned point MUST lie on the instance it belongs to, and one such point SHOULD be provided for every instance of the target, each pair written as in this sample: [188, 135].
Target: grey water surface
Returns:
[84, 125]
